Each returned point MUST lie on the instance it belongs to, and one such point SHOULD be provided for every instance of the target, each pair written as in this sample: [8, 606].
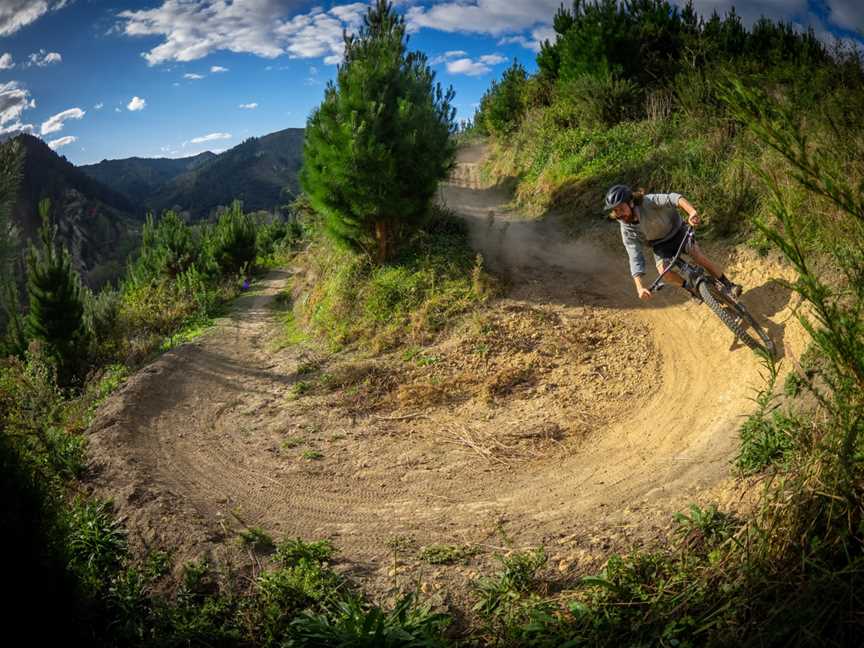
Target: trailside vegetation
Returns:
[380, 142]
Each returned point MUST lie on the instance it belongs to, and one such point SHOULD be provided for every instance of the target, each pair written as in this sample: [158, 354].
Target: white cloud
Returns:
[193, 77]
[136, 104]
[493, 17]
[43, 58]
[15, 14]
[99, 106]
[191, 29]
[248, 106]
[446, 56]
[468, 67]
[6, 62]
[55, 123]
[14, 100]
[215, 69]
[117, 110]
[209, 138]
[63, 141]
[492, 59]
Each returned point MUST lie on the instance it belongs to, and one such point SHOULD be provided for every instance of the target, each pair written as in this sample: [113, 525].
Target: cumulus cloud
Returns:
[470, 67]
[14, 100]
[43, 58]
[55, 123]
[209, 138]
[193, 77]
[248, 106]
[6, 62]
[447, 56]
[15, 14]
[63, 141]
[136, 104]
[191, 29]
[215, 69]
[492, 17]
[99, 106]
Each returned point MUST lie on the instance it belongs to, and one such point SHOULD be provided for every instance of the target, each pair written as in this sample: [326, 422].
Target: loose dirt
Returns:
[566, 414]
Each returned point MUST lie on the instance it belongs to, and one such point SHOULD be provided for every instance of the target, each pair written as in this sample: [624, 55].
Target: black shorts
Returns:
[665, 250]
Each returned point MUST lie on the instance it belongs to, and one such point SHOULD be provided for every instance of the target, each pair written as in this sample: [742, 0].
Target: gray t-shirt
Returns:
[658, 220]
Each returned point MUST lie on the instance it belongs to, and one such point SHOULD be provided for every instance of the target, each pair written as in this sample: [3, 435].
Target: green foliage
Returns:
[503, 105]
[356, 624]
[168, 249]
[441, 554]
[434, 279]
[56, 313]
[383, 122]
[767, 434]
[293, 551]
[232, 243]
[96, 543]
[600, 100]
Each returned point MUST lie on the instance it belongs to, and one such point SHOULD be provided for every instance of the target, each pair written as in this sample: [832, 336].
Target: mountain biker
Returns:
[654, 218]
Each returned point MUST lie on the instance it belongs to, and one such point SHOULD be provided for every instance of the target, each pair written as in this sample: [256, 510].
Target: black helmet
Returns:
[616, 195]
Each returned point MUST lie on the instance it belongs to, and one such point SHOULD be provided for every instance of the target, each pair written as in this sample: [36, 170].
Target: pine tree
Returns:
[56, 314]
[380, 142]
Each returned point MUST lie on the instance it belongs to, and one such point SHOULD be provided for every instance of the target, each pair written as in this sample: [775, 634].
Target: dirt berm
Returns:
[567, 414]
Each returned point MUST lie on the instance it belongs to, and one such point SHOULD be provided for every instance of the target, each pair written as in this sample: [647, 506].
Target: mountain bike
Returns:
[705, 288]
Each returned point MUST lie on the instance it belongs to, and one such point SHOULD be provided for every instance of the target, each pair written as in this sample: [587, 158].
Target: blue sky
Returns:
[168, 78]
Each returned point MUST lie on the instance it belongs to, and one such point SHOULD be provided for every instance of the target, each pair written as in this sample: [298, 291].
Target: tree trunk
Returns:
[382, 236]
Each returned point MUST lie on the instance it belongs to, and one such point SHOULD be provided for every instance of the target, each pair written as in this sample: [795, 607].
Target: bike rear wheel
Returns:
[736, 318]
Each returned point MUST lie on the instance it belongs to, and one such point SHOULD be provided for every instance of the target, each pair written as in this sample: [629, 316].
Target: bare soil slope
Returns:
[566, 414]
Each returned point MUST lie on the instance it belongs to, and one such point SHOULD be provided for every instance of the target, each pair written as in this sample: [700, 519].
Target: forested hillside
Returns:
[261, 173]
[95, 221]
[140, 178]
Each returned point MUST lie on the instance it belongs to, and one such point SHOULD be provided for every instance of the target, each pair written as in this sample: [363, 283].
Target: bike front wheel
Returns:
[736, 318]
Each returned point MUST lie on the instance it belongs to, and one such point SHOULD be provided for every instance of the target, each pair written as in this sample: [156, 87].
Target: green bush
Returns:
[602, 100]
[232, 242]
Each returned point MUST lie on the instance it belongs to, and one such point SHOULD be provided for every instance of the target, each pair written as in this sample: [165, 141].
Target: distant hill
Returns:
[94, 221]
[139, 179]
[257, 172]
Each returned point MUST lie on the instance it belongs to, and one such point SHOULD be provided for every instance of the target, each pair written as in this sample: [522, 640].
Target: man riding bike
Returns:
[654, 218]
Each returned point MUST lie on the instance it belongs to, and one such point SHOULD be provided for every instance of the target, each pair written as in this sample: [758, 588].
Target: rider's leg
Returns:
[716, 271]
[700, 258]
[670, 277]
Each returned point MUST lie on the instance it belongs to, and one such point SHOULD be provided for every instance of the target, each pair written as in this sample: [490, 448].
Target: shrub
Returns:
[232, 242]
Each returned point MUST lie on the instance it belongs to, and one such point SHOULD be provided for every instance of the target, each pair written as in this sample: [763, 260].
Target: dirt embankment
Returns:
[567, 414]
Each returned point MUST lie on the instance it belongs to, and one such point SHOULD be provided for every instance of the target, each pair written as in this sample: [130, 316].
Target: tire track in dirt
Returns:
[192, 446]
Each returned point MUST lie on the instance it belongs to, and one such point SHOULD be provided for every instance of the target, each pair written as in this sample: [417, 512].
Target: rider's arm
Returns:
[692, 214]
[632, 239]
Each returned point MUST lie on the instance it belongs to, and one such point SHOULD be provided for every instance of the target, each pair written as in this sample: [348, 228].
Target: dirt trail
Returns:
[619, 414]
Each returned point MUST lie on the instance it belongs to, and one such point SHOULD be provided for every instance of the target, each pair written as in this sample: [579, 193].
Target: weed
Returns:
[256, 539]
[442, 554]
[354, 623]
[292, 551]
[300, 388]
[96, 543]
[312, 455]
[292, 442]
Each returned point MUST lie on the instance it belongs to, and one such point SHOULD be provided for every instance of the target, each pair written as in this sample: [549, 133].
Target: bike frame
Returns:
[694, 274]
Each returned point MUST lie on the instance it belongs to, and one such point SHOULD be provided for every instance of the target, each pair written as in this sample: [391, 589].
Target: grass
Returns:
[312, 455]
[435, 280]
[293, 442]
